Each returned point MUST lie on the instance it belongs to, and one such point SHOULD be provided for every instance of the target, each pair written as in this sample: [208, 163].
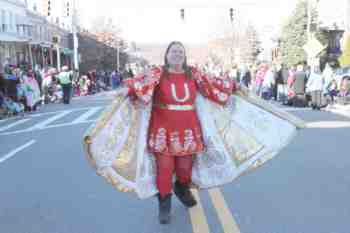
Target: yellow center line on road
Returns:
[197, 215]
[226, 218]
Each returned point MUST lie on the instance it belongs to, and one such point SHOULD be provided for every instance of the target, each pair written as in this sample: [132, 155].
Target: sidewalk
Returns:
[339, 109]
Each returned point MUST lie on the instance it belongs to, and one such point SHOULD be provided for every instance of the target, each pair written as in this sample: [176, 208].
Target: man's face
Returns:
[176, 55]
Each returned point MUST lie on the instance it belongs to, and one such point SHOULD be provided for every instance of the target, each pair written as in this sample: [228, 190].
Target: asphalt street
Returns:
[47, 185]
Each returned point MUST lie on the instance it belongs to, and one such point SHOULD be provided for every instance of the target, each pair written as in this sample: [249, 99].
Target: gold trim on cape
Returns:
[240, 144]
[251, 98]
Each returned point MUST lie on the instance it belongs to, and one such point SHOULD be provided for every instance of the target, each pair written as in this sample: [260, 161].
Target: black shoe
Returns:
[184, 194]
[164, 209]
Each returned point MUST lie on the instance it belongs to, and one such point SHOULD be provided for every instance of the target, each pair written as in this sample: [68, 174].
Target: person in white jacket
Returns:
[268, 83]
[314, 86]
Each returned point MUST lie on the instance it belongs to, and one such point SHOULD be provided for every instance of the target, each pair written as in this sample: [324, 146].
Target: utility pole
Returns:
[75, 36]
[30, 54]
[56, 41]
[58, 53]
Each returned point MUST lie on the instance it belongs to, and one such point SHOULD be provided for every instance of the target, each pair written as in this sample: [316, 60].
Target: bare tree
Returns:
[110, 35]
[250, 45]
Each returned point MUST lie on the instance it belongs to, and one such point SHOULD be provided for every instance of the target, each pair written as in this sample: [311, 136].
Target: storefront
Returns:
[13, 50]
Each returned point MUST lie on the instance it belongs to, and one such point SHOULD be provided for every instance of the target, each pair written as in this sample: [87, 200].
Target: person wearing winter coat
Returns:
[314, 86]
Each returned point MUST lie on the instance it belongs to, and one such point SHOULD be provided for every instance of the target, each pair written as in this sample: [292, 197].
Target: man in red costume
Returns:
[174, 134]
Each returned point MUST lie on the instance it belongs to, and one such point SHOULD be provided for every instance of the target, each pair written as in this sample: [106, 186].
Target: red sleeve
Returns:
[217, 89]
[141, 87]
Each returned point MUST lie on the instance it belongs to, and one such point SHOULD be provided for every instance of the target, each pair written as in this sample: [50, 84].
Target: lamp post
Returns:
[56, 42]
[30, 54]
[58, 57]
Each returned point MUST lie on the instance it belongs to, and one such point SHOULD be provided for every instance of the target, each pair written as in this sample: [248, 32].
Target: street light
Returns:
[48, 8]
[231, 14]
[67, 9]
[182, 13]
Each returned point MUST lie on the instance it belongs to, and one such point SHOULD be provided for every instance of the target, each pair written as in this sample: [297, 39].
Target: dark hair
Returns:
[187, 69]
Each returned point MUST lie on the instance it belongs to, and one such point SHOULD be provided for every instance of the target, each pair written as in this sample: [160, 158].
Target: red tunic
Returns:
[177, 132]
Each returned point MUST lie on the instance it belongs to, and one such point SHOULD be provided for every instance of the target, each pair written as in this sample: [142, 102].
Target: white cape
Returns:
[238, 137]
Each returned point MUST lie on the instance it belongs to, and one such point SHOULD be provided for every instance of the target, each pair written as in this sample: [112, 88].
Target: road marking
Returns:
[295, 109]
[197, 215]
[328, 124]
[56, 112]
[43, 124]
[14, 124]
[47, 127]
[228, 222]
[6, 119]
[86, 115]
[345, 113]
[68, 124]
[14, 152]
[47, 113]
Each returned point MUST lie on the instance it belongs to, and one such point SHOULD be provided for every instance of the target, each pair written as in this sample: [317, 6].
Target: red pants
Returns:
[166, 165]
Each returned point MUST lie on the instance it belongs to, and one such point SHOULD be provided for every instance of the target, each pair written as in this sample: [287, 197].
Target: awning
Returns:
[11, 38]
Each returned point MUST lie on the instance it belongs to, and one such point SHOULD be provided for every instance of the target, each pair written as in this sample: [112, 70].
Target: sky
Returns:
[158, 21]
